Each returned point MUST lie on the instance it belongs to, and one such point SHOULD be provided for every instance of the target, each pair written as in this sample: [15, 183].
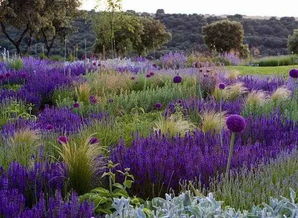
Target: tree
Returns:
[22, 15]
[59, 15]
[293, 42]
[154, 35]
[127, 31]
[224, 36]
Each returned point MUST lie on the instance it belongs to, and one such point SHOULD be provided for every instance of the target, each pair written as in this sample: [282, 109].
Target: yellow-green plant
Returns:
[173, 125]
[256, 98]
[83, 92]
[234, 91]
[82, 161]
[213, 121]
[280, 94]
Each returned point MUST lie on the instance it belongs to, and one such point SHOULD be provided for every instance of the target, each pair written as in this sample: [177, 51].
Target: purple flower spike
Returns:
[236, 123]
[63, 139]
[177, 79]
[93, 141]
[294, 73]
[222, 86]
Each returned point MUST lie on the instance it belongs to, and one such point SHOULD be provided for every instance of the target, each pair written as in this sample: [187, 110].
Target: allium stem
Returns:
[220, 110]
[232, 142]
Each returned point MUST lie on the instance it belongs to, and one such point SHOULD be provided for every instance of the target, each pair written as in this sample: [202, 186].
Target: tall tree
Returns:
[59, 15]
[224, 36]
[154, 35]
[293, 42]
[22, 15]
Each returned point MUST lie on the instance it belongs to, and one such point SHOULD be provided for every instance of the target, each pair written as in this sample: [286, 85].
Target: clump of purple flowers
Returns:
[63, 121]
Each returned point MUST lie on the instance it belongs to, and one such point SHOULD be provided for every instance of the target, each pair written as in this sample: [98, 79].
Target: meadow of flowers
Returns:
[146, 138]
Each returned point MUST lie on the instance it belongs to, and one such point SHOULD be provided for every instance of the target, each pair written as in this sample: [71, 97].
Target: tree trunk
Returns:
[16, 43]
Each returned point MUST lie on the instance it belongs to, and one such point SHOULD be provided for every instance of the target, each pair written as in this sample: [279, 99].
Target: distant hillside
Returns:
[268, 35]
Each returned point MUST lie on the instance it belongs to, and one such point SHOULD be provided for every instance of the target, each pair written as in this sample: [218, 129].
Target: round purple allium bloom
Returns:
[294, 73]
[23, 75]
[177, 79]
[93, 141]
[92, 99]
[49, 127]
[1, 76]
[132, 78]
[76, 105]
[7, 75]
[110, 100]
[63, 140]
[221, 86]
[236, 123]
[151, 73]
[158, 106]
[148, 75]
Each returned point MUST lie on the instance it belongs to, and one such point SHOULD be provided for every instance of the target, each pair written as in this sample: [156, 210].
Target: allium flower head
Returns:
[63, 139]
[132, 78]
[148, 75]
[93, 141]
[158, 106]
[294, 73]
[76, 105]
[92, 99]
[221, 86]
[177, 79]
[49, 127]
[236, 123]
[151, 73]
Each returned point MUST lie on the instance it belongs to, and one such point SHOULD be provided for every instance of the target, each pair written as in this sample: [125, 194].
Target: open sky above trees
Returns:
[217, 7]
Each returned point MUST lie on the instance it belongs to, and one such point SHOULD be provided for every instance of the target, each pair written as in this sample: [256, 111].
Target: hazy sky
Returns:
[217, 7]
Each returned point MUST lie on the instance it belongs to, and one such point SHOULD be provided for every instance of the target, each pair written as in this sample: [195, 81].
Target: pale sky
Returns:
[218, 7]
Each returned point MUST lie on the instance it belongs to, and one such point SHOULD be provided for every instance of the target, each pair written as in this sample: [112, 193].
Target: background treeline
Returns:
[264, 36]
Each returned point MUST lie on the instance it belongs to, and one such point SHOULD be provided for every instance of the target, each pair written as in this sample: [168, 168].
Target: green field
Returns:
[250, 70]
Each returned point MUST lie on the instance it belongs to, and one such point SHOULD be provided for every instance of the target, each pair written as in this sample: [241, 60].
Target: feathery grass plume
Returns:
[110, 82]
[213, 121]
[256, 98]
[233, 75]
[83, 162]
[83, 92]
[21, 147]
[280, 94]
[173, 125]
[234, 91]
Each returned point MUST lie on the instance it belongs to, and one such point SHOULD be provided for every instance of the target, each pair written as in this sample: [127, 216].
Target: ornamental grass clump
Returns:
[82, 161]
[234, 91]
[173, 125]
[213, 122]
[280, 94]
[256, 99]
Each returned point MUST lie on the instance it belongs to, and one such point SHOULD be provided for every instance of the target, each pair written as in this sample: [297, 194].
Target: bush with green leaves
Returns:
[283, 60]
[103, 198]
[188, 206]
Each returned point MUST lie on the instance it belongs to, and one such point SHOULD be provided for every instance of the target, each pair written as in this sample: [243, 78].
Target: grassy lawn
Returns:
[249, 70]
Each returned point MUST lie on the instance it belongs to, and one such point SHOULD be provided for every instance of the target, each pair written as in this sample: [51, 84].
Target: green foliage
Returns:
[247, 188]
[224, 36]
[283, 60]
[20, 147]
[103, 198]
[128, 33]
[12, 109]
[16, 64]
[250, 70]
[293, 42]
